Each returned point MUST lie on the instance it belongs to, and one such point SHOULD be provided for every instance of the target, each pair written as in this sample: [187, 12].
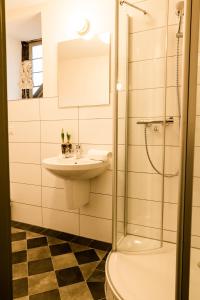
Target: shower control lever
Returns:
[167, 121]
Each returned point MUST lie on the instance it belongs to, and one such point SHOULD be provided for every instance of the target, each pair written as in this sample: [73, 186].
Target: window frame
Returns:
[32, 44]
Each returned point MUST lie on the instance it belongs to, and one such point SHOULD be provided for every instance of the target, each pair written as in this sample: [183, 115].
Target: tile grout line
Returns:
[41, 194]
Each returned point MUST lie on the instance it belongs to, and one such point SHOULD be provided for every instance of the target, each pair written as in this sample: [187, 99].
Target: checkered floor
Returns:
[57, 268]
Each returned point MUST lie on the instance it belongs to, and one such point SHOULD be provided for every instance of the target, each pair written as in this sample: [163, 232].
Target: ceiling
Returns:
[16, 4]
[23, 19]
[25, 29]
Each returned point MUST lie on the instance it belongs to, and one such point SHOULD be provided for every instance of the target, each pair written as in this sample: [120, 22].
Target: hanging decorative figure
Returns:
[26, 79]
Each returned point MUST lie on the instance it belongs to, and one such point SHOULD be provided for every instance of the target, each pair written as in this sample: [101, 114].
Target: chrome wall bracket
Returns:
[134, 6]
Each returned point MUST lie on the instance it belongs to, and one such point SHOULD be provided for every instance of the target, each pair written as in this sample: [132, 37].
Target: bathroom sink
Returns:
[76, 175]
[71, 168]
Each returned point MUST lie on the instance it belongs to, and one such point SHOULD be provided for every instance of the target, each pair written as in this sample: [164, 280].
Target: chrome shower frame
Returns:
[115, 133]
[134, 6]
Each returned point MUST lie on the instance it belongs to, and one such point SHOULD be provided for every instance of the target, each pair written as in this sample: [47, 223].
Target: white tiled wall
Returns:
[34, 130]
[37, 196]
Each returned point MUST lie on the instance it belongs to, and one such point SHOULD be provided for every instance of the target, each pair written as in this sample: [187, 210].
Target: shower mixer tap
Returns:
[168, 121]
[154, 123]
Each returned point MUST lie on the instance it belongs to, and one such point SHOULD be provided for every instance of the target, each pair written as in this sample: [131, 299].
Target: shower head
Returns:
[180, 8]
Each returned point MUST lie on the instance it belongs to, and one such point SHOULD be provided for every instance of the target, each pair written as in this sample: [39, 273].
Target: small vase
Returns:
[63, 148]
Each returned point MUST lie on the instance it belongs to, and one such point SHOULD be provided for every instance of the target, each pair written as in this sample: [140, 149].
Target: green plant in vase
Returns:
[69, 144]
[63, 145]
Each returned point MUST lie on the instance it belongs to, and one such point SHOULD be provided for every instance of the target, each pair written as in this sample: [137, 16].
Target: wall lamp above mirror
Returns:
[82, 25]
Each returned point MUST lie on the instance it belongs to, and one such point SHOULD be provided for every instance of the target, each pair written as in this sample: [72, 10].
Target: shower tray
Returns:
[148, 275]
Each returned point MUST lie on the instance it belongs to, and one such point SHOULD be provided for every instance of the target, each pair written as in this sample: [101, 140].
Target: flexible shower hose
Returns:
[149, 157]
[179, 107]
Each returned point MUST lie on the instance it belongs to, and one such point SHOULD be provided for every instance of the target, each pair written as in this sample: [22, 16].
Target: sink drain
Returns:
[198, 264]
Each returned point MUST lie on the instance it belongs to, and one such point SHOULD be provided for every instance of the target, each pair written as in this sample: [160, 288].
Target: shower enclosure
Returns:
[148, 127]
[155, 109]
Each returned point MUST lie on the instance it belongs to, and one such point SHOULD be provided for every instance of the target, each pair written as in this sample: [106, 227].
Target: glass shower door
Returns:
[141, 100]
[148, 126]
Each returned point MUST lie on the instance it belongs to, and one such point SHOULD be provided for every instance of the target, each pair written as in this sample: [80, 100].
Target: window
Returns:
[36, 56]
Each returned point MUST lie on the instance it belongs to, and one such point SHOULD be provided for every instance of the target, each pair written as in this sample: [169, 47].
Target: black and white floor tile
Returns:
[50, 265]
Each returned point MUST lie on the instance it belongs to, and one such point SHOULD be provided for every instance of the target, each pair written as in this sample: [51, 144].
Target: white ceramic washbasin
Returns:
[76, 175]
[75, 169]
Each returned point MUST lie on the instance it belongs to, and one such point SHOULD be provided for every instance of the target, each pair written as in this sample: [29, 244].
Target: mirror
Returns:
[84, 71]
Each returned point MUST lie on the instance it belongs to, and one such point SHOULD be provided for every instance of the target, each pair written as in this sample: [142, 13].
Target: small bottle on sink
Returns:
[78, 151]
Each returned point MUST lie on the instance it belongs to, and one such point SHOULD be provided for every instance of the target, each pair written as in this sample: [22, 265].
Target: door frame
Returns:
[188, 120]
[5, 214]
